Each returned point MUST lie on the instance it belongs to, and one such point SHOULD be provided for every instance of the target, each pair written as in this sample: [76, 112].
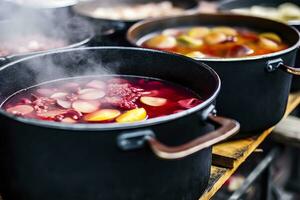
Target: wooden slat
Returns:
[236, 152]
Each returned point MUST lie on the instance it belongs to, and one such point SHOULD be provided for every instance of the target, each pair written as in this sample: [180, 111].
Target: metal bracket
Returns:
[273, 65]
[208, 111]
[134, 140]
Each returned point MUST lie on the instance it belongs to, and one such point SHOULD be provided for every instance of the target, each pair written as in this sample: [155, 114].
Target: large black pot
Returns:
[48, 160]
[255, 89]
[228, 5]
[119, 27]
[75, 31]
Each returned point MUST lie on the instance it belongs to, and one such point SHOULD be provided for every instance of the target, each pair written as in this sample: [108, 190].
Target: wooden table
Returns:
[232, 154]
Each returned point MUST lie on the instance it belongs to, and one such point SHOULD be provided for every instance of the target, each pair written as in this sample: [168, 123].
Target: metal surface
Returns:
[262, 169]
[134, 140]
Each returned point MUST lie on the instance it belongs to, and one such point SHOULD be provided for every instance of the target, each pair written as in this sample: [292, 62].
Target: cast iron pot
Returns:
[255, 89]
[146, 160]
[119, 27]
[75, 32]
[228, 5]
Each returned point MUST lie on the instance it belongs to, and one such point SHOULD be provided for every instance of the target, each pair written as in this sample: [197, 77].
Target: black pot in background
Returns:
[255, 89]
[118, 27]
[228, 5]
[75, 31]
[48, 160]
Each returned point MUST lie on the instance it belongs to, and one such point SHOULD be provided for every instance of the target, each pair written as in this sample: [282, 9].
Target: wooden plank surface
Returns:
[236, 152]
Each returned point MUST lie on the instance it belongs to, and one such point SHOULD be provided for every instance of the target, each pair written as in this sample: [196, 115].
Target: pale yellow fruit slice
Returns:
[134, 115]
[153, 101]
[102, 115]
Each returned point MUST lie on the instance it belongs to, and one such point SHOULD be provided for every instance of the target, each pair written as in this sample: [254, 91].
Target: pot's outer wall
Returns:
[228, 5]
[256, 98]
[48, 163]
[250, 94]
[40, 163]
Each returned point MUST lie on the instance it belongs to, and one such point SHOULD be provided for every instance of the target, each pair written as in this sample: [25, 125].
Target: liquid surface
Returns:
[214, 42]
[102, 99]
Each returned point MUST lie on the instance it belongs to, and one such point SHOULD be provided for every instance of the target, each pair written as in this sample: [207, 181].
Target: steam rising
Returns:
[55, 23]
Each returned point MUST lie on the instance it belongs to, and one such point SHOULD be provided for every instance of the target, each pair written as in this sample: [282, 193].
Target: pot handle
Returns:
[228, 127]
[279, 64]
[290, 70]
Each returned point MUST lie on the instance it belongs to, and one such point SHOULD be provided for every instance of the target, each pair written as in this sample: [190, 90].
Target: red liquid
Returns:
[101, 100]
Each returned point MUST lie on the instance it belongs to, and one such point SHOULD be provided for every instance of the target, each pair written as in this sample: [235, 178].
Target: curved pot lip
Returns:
[115, 126]
[278, 53]
[70, 46]
[225, 10]
[56, 5]
[80, 12]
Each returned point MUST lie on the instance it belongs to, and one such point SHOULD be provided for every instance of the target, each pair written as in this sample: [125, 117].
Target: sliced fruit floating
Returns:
[153, 101]
[135, 115]
[102, 115]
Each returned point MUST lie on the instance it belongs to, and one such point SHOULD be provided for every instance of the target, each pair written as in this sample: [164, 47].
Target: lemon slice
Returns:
[134, 115]
[102, 115]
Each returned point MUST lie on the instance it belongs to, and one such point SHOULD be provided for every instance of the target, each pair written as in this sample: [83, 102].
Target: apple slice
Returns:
[64, 104]
[92, 95]
[134, 115]
[20, 110]
[85, 106]
[153, 101]
[189, 103]
[96, 84]
[102, 115]
[58, 95]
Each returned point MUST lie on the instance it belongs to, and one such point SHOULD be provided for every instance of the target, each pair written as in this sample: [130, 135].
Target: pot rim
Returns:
[264, 56]
[115, 126]
[79, 11]
[84, 40]
[225, 10]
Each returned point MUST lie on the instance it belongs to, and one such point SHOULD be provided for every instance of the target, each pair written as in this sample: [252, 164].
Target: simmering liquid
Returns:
[102, 99]
[214, 42]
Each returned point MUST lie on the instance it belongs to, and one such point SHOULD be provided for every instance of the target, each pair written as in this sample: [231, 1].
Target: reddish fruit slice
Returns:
[189, 103]
[92, 95]
[58, 95]
[85, 106]
[51, 114]
[20, 110]
[153, 101]
[102, 115]
[96, 84]
[134, 115]
[63, 103]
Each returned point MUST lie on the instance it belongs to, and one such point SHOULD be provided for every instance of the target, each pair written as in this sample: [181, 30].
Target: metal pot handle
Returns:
[290, 70]
[228, 127]
[273, 65]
